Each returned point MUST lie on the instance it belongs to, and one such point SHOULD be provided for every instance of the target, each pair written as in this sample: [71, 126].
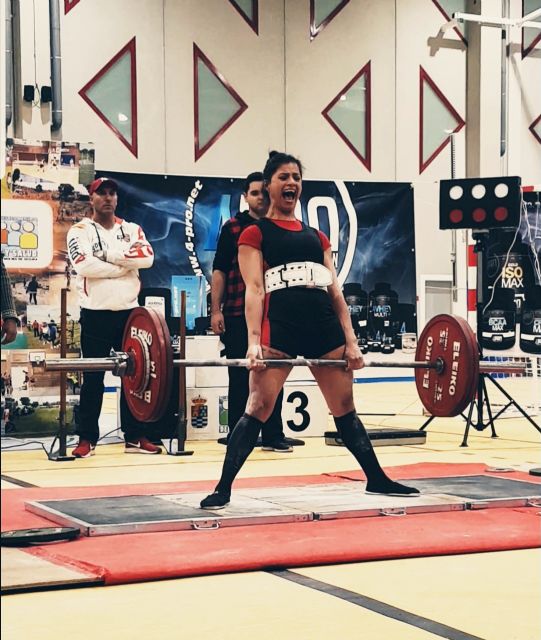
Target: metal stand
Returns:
[61, 455]
[480, 425]
[182, 421]
[482, 400]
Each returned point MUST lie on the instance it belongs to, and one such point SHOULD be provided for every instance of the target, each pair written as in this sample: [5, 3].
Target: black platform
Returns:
[382, 437]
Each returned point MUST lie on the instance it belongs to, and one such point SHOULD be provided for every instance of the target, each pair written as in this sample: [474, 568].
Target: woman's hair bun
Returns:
[273, 153]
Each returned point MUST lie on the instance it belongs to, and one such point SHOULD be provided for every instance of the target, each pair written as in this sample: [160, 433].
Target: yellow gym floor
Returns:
[493, 596]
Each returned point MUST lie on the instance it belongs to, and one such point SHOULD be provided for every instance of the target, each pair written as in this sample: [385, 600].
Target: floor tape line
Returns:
[376, 606]
[20, 483]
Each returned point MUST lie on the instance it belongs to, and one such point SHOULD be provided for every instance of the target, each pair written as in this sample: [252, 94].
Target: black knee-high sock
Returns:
[241, 443]
[356, 439]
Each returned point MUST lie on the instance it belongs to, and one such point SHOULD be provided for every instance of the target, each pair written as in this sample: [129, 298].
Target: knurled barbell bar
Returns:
[120, 363]
[446, 365]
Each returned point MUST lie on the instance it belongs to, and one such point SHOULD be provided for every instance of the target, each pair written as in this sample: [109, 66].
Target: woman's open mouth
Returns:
[289, 194]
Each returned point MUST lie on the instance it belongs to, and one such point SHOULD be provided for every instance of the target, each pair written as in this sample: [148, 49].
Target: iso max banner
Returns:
[370, 225]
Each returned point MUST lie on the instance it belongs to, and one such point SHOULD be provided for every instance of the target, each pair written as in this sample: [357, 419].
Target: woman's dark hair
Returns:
[256, 176]
[276, 160]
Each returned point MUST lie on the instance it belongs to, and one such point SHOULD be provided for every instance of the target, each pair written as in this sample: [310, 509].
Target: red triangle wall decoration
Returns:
[130, 50]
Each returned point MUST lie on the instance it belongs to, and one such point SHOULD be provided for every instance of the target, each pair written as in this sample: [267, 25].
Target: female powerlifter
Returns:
[294, 307]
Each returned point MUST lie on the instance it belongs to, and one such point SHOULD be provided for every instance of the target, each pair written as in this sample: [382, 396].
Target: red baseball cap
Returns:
[101, 182]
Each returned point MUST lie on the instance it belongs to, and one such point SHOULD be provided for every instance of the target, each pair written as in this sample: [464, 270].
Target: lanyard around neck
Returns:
[99, 237]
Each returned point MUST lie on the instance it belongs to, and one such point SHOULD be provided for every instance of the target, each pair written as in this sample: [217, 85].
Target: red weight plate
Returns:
[447, 393]
[146, 336]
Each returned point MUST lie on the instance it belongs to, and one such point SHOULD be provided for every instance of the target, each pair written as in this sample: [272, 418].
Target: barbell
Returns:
[446, 365]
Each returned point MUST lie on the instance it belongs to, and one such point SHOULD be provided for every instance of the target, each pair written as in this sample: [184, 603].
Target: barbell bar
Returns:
[119, 364]
[446, 365]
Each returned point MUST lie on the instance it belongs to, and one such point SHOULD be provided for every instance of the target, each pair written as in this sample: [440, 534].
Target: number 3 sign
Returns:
[304, 411]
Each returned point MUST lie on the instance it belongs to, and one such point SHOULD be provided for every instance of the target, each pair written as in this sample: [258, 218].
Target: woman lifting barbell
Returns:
[294, 305]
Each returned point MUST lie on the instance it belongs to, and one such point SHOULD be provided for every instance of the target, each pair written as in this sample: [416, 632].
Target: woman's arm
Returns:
[251, 268]
[352, 353]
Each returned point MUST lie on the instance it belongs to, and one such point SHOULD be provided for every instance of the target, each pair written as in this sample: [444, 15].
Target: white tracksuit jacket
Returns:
[107, 262]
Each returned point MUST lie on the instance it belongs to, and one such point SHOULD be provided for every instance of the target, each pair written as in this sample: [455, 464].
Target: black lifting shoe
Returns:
[215, 501]
[281, 446]
[294, 442]
[389, 488]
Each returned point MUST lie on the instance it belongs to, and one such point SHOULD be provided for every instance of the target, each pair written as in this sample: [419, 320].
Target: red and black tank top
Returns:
[283, 241]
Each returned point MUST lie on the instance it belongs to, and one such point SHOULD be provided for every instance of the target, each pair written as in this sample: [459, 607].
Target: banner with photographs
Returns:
[43, 194]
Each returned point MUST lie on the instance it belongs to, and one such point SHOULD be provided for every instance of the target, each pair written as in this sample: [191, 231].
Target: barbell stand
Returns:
[181, 415]
[62, 455]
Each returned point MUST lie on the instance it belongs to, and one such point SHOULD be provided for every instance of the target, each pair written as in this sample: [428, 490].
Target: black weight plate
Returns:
[24, 537]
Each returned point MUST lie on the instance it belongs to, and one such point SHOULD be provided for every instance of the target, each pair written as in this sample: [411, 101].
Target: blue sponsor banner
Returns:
[370, 226]
[181, 217]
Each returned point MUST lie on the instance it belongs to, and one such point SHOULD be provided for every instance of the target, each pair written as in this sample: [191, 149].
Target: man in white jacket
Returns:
[106, 252]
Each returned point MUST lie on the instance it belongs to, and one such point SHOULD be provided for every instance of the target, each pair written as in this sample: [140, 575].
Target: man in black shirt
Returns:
[227, 315]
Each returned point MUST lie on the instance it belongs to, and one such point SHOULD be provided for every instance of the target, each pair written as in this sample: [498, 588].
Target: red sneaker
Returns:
[84, 449]
[142, 445]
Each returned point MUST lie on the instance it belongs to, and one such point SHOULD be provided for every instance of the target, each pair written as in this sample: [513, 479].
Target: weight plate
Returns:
[145, 326]
[447, 393]
[140, 374]
[25, 537]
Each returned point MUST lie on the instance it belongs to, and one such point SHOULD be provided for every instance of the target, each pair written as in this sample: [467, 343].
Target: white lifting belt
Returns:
[297, 274]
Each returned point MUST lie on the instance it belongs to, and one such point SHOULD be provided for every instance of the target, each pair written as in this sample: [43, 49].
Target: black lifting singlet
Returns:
[280, 246]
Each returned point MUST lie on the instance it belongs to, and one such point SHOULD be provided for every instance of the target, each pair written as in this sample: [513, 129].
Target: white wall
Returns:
[91, 35]
[252, 64]
[34, 120]
[525, 92]
[316, 71]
